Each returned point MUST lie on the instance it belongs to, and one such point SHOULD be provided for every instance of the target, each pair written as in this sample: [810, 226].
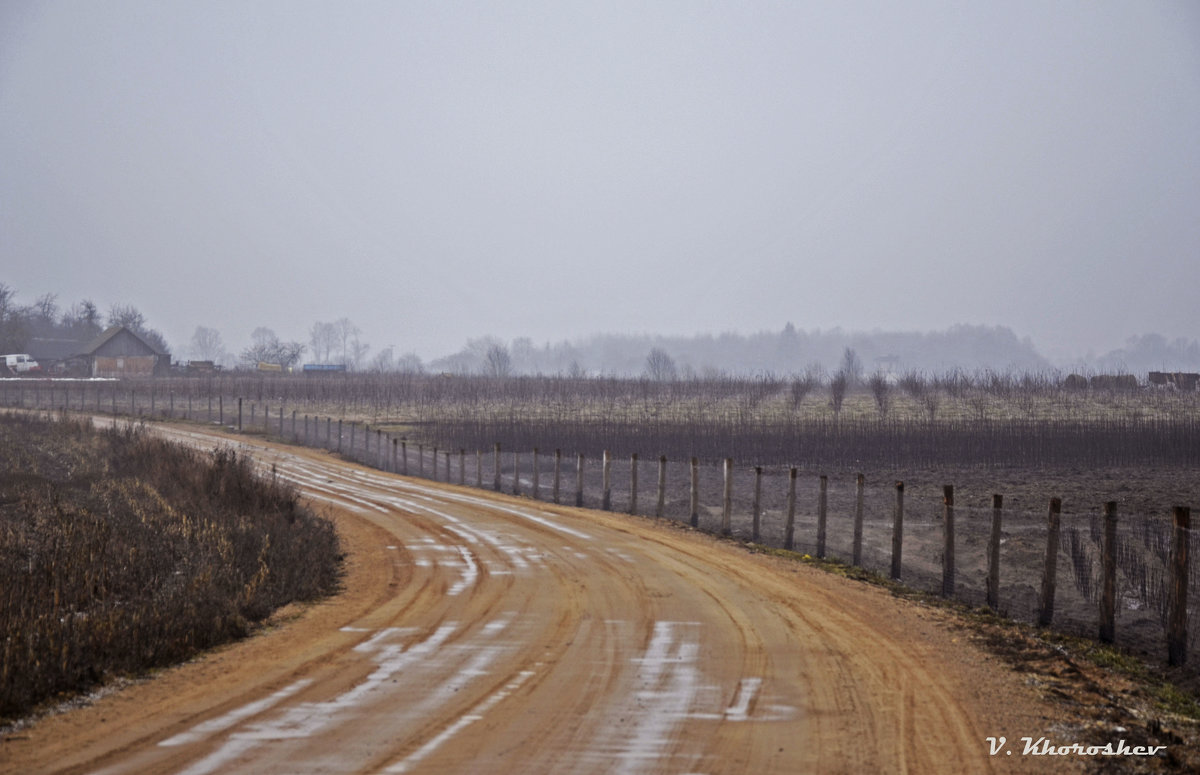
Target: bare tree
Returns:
[805, 384]
[837, 392]
[660, 366]
[126, 315]
[881, 390]
[206, 344]
[266, 347]
[82, 320]
[852, 366]
[498, 363]
[410, 363]
[323, 337]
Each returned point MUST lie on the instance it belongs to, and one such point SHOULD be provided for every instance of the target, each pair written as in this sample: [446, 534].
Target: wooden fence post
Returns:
[557, 474]
[993, 572]
[447, 462]
[1108, 584]
[859, 488]
[606, 476]
[579, 480]
[328, 432]
[1177, 612]
[516, 473]
[948, 541]
[1050, 572]
[496, 467]
[695, 494]
[898, 531]
[239, 414]
[535, 473]
[404, 456]
[395, 454]
[660, 506]
[727, 500]
[789, 527]
[822, 514]
[756, 516]
[633, 483]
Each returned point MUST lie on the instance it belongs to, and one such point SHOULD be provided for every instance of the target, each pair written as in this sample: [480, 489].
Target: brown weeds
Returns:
[121, 552]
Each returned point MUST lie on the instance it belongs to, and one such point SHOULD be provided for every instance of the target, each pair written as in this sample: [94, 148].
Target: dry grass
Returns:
[120, 552]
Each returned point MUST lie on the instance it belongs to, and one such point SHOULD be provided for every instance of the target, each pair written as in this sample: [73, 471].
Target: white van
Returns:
[20, 364]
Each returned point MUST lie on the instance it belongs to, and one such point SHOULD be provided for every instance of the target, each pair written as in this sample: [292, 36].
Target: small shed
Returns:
[119, 352]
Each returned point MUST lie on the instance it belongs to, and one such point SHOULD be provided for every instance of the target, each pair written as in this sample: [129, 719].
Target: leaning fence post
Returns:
[822, 514]
[859, 487]
[606, 476]
[993, 574]
[659, 508]
[1177, 613]
[633, 483]
[496, 467]
[695, 493]
[579, 480]
[1050, 572]
[898, 531]
[1108, 586]
[948, 542]
[727, 500]
[756, 517]
[789, 527]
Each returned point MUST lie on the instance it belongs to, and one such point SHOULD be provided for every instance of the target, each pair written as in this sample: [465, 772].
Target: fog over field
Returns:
[543, 173]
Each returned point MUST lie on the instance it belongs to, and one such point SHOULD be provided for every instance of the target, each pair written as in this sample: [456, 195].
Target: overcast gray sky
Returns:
[440, 170]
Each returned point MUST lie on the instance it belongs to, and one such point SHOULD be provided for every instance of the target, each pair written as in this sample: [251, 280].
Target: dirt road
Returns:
[479, 633]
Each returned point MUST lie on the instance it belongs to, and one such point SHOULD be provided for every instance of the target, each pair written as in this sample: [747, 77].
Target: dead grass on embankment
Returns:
[121, 552]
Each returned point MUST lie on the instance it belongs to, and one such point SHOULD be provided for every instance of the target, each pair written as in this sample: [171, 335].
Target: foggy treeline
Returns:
[796, 351]
[818, 353]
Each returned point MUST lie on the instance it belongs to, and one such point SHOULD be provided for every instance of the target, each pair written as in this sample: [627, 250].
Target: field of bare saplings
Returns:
[120, 552]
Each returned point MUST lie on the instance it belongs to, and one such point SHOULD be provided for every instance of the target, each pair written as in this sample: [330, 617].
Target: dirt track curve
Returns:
[480, 633]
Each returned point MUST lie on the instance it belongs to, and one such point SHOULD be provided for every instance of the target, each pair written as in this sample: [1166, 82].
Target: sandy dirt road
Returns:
[479, 633]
